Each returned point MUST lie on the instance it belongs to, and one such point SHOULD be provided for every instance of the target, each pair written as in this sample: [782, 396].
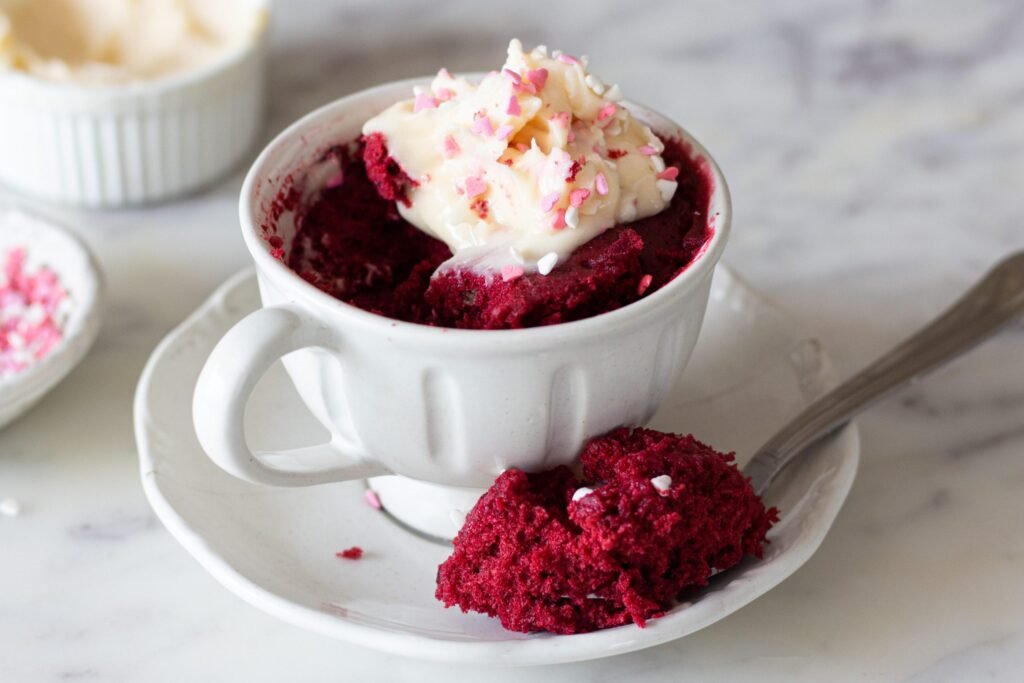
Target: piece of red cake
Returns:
[384, 172]
[653, 516]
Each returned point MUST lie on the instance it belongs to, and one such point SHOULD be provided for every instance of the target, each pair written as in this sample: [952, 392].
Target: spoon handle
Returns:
[986, 308]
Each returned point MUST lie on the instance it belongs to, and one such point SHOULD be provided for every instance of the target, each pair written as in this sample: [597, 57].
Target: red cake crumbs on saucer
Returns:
[354, 245]
[653, 516]
[353, 553]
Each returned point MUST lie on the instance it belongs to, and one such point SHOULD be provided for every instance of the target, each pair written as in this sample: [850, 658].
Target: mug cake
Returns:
[530, 198]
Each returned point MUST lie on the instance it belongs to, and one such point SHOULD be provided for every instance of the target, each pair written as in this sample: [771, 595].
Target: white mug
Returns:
[447, 406]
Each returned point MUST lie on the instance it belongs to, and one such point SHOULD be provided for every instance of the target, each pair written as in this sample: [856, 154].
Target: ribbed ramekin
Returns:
[112, 146]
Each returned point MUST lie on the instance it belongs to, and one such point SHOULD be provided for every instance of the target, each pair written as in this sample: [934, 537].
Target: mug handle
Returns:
[222, 392]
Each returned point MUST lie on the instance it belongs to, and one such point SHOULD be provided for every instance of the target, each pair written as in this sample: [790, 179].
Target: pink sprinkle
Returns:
[561, 117]
[645, 282]
[29, 305]
[482, 125]
[601, 184]
[475, 186]
[525, 86]
[504, 132]
[511, 272]
[577, 197]
[547, 202]
[444, 73]
[516, 78]
[607, 111]
[424, 101]
[513, 108]
[559, 221]
[670, 173]
[522, 146]
[445, 94]
[568, 59]
[372, 499]
[451, 148]
[647, 150]
[335, 180]
[538, 77]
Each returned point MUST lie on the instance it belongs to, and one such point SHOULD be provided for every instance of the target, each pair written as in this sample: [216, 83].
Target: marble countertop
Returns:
[875, 152]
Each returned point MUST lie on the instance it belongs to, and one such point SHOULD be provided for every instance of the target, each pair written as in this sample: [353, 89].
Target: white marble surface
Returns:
[876, 156]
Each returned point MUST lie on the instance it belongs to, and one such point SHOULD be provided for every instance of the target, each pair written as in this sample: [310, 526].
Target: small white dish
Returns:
[47, 245]
[109, 146]
[751, 371]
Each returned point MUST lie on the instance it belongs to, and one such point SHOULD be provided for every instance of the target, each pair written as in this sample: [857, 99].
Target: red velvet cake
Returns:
[654, 515]
[354, 245]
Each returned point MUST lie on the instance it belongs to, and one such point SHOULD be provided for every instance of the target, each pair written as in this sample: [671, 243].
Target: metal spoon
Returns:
[985, 309]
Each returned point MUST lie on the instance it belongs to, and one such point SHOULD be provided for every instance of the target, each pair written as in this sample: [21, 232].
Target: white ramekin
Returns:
[111, 146]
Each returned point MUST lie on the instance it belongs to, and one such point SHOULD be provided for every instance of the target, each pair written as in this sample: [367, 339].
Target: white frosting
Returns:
[662, 482]
[493, 161]
[121, 41]
[581, 492]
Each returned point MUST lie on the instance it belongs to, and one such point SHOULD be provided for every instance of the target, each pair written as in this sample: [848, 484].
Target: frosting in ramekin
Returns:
[100, 42]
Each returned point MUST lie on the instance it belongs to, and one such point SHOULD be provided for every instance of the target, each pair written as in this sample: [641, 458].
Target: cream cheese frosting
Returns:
[104, 42]
[525, 166]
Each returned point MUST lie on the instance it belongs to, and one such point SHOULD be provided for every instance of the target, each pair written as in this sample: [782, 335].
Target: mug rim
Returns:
[433, 336]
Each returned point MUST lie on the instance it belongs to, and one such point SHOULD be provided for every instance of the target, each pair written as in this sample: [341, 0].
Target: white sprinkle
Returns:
[580, 492]
[613, 93]
[10, 507]
[418, 90]
[516, 255]
[35, 314]
[662, 483]
[595, 84]
[547, 263]
[541, 50]
[572, 217]
[658, 163]
[556, 53]
[628, 210]
[458, 518]
[667, 188]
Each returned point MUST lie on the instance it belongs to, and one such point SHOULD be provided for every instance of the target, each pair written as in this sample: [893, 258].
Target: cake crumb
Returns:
[353, 553]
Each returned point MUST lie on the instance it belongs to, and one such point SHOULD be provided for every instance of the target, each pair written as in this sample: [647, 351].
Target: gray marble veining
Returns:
[875, 150]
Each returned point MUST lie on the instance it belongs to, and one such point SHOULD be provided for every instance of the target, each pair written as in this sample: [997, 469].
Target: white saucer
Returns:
[275, 547]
